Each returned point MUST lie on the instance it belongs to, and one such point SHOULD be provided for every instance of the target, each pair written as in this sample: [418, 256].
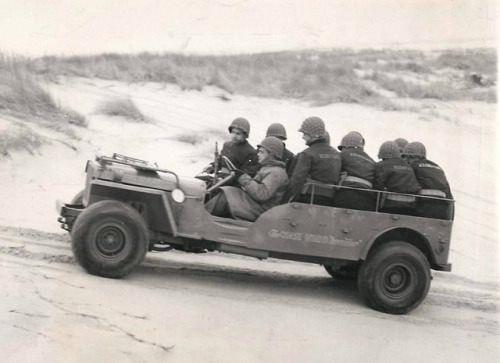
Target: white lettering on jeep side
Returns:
[276, 233]
[316, 238]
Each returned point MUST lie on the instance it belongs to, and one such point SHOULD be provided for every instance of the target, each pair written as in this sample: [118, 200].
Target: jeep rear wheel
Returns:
[395, 278]
[109, 239]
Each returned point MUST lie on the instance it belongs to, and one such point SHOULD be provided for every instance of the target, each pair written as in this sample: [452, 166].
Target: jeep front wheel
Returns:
[395, 278]
[109, 239]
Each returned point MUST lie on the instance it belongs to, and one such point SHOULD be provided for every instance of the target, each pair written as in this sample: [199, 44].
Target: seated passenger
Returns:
[238, 150]
[278, 130]
[318, 164]
[393, 174]
[432, 182]
[256, 195]
[359, 169]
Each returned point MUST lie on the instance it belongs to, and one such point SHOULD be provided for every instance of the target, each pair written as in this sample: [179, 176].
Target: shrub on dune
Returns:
[19, 138]
[199, 138]
[122, 107]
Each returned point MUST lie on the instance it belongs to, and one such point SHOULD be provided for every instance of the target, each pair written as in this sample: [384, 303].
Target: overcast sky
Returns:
[41, 27]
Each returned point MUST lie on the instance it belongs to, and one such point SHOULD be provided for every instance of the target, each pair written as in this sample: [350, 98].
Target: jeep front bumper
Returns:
[68, 214]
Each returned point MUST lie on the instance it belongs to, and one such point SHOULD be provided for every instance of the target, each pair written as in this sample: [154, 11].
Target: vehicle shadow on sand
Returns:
[224, 279]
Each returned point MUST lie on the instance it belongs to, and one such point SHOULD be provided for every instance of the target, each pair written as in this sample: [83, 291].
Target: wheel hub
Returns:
[396, 280]
[110, 240]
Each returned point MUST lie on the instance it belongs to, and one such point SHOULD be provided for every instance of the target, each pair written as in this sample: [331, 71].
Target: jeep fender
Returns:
[403, 234]
[156, 206]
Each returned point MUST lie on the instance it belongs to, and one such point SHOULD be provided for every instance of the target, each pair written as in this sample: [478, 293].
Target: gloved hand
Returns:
[209, 169]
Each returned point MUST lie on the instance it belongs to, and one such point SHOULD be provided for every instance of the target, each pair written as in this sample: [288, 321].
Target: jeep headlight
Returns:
[178, 195]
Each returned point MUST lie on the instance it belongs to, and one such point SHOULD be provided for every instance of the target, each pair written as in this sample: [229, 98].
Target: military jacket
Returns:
[431, 176]
[242, 155]
[395, 175]
[357, 163]
[319, 162]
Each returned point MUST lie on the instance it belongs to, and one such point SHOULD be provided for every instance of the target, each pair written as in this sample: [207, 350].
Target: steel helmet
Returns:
[352, 139]
[313, 126]
[273, 145]
[415, 149]
[402, 142]
[388, 149]
[358, 133]
[240, 123]
[276, 130]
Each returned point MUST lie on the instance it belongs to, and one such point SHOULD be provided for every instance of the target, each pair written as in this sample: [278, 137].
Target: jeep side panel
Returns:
[312, 230]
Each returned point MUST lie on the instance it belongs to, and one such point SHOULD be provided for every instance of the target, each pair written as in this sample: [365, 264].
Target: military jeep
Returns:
[131, 206]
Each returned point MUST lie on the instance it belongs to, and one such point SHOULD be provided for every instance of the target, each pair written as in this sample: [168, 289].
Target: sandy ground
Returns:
[216, 307]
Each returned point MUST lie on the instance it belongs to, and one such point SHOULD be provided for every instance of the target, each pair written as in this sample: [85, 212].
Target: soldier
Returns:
[432, 181]
[256, 195]
[278, 130]
[393, 174]
[238, 150]
[359, 169]
[402, 142]
[318, 164]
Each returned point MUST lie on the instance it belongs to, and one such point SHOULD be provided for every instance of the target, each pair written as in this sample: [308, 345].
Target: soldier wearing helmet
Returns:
[359, 134]
[433, 183]
[238, 150]
[316, 166]
[402, 142]
[278, 130]
[394, 175]
[257, 194]
[358, 170]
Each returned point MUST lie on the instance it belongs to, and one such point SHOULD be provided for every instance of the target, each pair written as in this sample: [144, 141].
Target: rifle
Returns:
[216, 163]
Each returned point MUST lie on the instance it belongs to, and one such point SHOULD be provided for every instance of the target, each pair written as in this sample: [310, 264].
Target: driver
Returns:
[256, 195]
[238, 150]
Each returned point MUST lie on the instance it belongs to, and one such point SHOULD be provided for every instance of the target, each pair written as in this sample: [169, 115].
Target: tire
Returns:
[345, 273]
[109, 239]
[78, 198]
[395, 278]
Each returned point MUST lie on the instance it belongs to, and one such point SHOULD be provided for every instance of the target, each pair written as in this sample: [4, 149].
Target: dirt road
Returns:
[220, 308]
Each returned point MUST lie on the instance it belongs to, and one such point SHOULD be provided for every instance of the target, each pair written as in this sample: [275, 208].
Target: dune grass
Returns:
[318, 77]
[122, 107]
[17, 138]
[481, 61]
[439, 90]
[22, 95]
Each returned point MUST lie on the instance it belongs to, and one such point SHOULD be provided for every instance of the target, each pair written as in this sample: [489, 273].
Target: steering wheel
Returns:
[229, 166]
